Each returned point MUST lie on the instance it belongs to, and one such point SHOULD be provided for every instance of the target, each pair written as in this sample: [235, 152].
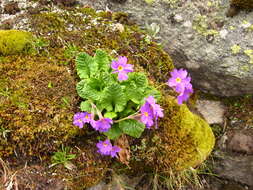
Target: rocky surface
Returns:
[198, 35]
[212, 111]
[236, 167]
[241, 141]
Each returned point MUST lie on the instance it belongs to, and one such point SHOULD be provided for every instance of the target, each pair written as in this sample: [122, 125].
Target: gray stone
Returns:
[237, 168]
[240, 141]
[198, 36]
[212, 111]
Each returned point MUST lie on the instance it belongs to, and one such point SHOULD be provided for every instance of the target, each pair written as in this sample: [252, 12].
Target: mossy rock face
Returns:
[183, 140]
[14, 41]
[245, 4]
[37, 90]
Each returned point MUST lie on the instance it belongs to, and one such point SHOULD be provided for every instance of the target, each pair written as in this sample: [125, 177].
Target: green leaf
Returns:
[110, 115]
[139, 79]
[89, 89]
[132, 127]
[134, 93]
[135, 87]
[85, 106]
[86, 66]
[102, 60]
[114, 132]
[151, 91]
[113, 98]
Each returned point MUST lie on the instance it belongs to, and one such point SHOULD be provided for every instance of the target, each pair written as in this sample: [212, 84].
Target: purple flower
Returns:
[185, 95]
[147, 115]
[156, 108]
[106, 148]
[150, 111]
[81, 118]
[114, 151]
[102, 125]
[180, 82]
[122, 68]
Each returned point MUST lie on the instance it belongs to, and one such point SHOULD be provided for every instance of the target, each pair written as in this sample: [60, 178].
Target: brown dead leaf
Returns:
[124, 154]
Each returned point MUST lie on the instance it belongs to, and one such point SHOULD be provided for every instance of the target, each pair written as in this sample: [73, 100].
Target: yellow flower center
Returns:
[86, 116]
[178, 80]
[105, 144]
[120, 68]
[146, 114]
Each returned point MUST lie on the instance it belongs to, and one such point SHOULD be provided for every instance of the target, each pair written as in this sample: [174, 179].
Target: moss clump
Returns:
[245, 4]
[183, 140]
[14, 41]
[37, 116]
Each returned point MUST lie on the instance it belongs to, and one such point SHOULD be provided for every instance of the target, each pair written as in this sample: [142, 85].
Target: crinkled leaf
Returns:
[135, 87]
[114, 132]
[85, 106]
[113, 97]
[151, 91]
[102, 60]
[139, 79]
[132, 127]
[110, 115]
[134, 93]
[89, 89]
[86, 66]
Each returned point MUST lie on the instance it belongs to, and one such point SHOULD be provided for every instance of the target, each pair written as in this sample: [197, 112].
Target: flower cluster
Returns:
[115, 98]
[101, 125]
[150, 112]
[106, 148]
[81, 118]
[180, 82]
[122, 68]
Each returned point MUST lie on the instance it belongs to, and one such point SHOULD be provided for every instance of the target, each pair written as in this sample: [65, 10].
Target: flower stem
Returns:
[128, 117]
[98, 112]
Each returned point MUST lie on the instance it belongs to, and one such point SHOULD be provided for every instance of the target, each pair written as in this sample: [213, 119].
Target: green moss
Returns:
[32, 111]
[14, 41]
[183, 140]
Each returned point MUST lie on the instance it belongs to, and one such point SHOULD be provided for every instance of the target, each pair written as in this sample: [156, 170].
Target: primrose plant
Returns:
[117, 100]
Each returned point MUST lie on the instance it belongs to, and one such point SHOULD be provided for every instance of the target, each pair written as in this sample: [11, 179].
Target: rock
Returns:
[198, 42]
[240, 141]
[237, 168]
[11, 8]
[7, 24]
[118, 182]
[212, 111]
[233, 186]
[67, 3]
